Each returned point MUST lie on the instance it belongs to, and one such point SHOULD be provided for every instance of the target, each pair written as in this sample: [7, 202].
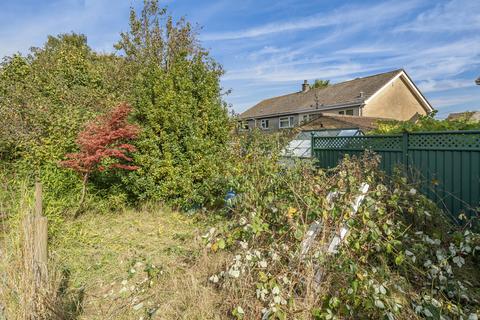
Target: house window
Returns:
[348, 112]
[244, 125]
[286, 122]
[306, 118]
[264, 123]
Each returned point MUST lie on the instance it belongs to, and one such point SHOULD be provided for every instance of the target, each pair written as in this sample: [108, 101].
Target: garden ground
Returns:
[138, 265]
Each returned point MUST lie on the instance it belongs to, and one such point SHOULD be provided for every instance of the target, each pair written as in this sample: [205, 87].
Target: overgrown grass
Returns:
[23, 295]
[146, 263]
[133, 263]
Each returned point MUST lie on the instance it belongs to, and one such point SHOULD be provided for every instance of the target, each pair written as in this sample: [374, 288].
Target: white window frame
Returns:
[306, 118]
[244, 125]
[289, 119]
[263, 122]
[348, 111]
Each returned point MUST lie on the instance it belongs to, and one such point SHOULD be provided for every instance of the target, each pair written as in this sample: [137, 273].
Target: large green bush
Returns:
[173, 85]
[177, 102]
[45, 99]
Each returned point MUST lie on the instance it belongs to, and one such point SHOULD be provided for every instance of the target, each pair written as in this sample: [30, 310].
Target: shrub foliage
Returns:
[103, 145]
[161, 71]
[177, 99]
[400, 259]
[426, 123]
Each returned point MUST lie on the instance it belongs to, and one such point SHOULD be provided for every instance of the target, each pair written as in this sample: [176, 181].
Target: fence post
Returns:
[35, 244]
[40, 233]
[405, 151]
[312, 154]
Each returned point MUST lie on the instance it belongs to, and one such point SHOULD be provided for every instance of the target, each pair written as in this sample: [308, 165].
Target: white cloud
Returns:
[442, 85]
[450, 16]
[452, 100]
[345, 15]
[367, 50]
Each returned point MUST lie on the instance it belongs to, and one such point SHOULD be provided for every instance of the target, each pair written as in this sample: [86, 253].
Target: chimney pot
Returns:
[362, 94]
[305, 86]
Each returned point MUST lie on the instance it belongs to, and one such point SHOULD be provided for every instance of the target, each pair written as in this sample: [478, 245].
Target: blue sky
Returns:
[268, 47]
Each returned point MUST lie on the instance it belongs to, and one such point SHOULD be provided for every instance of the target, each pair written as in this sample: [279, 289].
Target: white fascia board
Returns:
[303, 111]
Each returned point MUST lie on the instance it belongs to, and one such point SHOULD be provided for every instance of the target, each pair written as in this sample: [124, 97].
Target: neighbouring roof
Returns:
[467, 115]
[336, 95]
[337, 121]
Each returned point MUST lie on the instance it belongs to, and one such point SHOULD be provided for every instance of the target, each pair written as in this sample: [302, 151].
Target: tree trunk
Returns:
[82, 198]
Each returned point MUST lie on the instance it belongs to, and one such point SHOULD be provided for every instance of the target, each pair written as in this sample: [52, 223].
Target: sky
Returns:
[268, 48]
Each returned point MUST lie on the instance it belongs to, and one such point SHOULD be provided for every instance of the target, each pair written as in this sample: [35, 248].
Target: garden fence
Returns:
[446, 164]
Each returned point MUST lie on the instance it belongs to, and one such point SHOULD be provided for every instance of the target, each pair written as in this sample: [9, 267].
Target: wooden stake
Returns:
[41, 248]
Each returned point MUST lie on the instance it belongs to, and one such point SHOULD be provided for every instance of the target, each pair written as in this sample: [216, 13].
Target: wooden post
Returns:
[35, 244]
[40, 233]
[40, 248]
[405, 151]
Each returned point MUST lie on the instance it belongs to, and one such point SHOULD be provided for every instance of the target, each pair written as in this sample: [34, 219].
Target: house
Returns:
[467, 115]
[389, 95]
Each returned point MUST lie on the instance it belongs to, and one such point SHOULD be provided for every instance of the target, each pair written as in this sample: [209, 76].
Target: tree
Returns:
[177, 102]
[318, 83]
[47, 95]
[103, 146]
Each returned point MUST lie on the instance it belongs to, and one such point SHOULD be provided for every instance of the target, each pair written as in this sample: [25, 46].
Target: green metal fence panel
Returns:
[447, 164]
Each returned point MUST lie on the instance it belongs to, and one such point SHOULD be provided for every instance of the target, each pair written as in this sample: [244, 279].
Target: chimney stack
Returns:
[305, 86]
[362, 94]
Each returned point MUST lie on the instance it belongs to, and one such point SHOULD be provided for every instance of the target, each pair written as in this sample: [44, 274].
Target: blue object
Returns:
[229, 198]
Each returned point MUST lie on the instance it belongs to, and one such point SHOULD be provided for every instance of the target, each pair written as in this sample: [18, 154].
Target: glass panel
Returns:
[285, 122]
[347, 133]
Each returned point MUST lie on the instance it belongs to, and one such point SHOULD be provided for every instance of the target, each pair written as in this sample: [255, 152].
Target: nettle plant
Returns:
[400, 258]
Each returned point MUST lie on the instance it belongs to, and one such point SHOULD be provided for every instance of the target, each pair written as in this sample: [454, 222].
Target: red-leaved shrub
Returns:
[104, 138]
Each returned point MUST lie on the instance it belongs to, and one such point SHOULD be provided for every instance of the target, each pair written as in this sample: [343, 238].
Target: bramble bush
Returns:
[425, 123]
[401, 257]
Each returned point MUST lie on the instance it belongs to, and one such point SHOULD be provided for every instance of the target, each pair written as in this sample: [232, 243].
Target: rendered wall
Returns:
[396, 101]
